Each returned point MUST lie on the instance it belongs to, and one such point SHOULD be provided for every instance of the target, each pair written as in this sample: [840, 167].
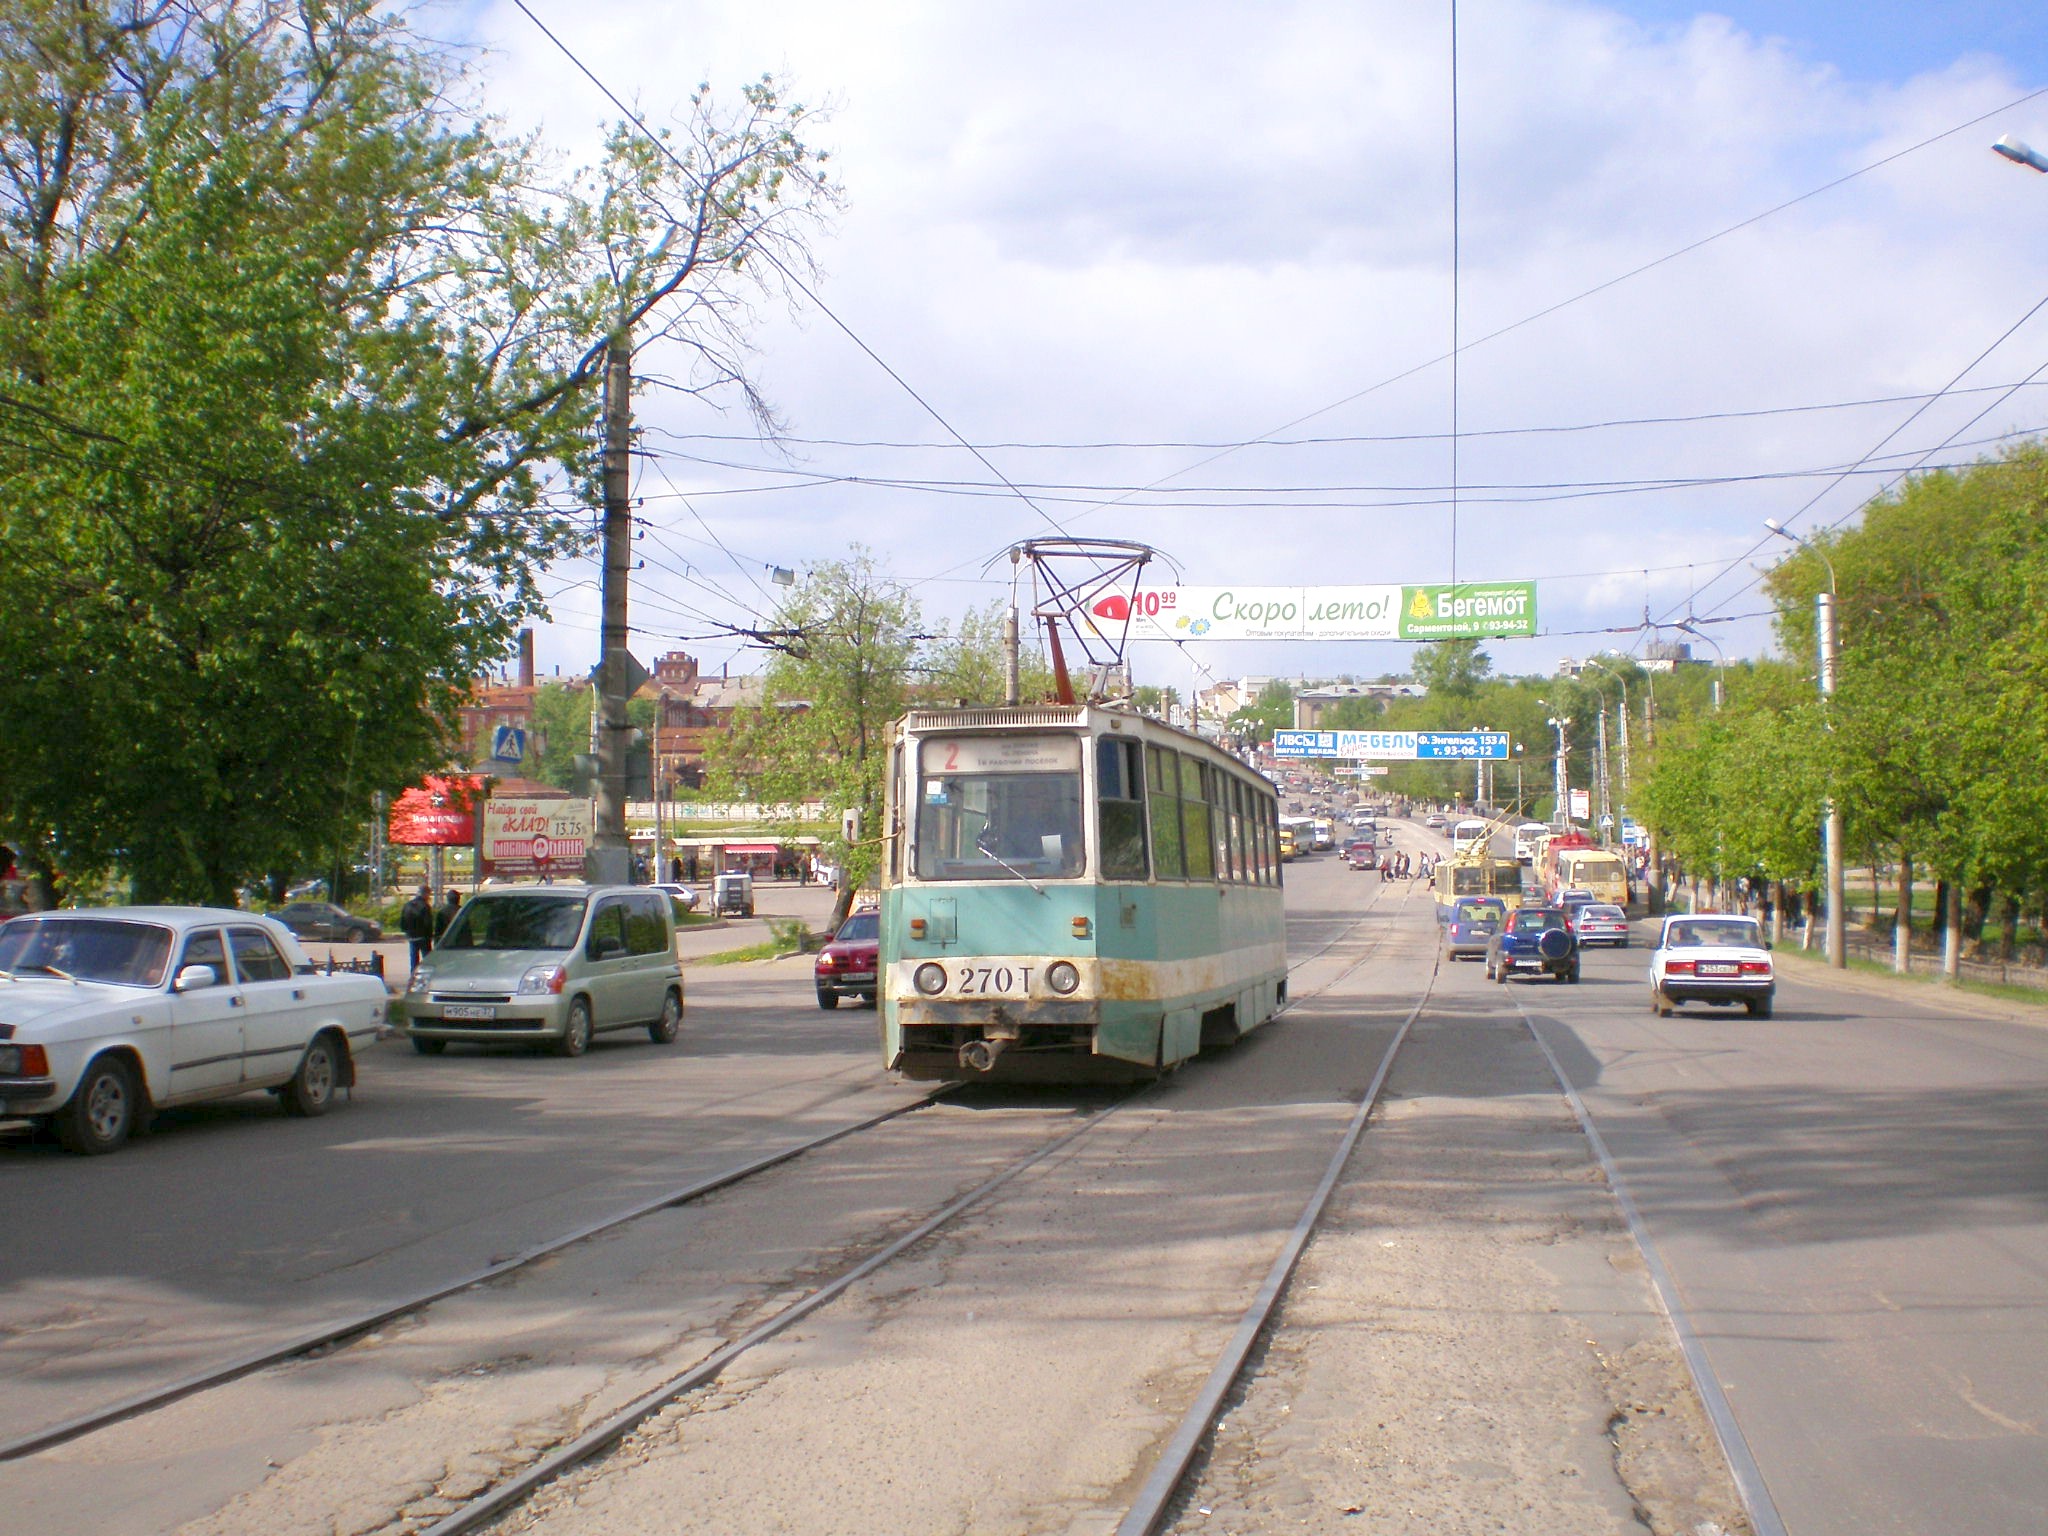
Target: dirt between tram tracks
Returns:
[1471, 1343]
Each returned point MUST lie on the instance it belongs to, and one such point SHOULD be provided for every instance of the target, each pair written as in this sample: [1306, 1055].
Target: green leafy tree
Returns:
[848, 639]
[1272, 711]
[1451, 667]
[287, 347]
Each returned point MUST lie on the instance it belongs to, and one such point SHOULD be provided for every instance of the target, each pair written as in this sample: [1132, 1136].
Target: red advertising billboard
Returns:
[441, 812]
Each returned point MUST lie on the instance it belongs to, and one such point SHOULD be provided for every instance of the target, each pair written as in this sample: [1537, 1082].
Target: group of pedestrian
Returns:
[423, 923]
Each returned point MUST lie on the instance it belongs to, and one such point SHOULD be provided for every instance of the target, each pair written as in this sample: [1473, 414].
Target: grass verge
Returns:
[787, 938]
[2003, 991]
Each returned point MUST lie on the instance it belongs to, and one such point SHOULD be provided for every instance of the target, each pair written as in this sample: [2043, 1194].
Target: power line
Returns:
[1467, 434]
[796, 282]
[1911, 417]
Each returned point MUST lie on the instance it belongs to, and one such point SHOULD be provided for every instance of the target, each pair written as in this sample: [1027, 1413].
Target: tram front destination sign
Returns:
[1392, 746]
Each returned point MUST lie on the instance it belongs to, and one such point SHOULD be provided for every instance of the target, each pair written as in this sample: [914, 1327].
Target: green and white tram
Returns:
[1072, 893]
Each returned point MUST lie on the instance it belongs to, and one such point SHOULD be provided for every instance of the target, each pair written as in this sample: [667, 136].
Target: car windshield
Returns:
[1478, 912]
[1605, 913]
[526, 920]
[1527, 921]
[861, 928]
[1715, 935]
[123, 953]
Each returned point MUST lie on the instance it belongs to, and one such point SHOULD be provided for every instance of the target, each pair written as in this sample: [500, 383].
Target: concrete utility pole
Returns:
[1824, 619]
[610, 860]
[1606, 800]
[1828, 643]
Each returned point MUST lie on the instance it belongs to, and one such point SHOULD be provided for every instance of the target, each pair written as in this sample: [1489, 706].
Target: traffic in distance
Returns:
[1070, 894]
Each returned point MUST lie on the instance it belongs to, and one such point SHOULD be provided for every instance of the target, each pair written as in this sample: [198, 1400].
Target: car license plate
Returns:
[1718, 968]
[468, 1011]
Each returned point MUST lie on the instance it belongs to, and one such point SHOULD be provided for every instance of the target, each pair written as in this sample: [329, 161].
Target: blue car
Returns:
[1538, 939]
[1472, 923]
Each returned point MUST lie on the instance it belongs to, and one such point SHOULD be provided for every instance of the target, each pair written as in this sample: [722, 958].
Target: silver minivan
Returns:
[551, 964]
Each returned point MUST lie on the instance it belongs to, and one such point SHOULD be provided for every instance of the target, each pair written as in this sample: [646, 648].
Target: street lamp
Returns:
[1560, 724]
[1828, 643]
[1720, 656]
[2021, 154]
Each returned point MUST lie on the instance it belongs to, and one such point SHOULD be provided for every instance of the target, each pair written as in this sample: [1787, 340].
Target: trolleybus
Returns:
[1072, 893]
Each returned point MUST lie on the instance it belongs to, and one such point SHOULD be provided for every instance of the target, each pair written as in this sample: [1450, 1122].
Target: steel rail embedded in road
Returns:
[612, 1430]
[1171, 1468]
[362, 1322]
[1742, 1465]
[615, 1428]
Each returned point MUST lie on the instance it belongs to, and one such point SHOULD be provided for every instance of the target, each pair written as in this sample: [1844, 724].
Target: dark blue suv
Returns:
[1536, 939]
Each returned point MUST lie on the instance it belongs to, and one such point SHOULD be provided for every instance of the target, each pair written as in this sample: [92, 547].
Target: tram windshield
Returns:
[999, 809]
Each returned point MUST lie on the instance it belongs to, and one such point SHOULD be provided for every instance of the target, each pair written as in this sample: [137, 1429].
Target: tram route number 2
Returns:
[992, 980]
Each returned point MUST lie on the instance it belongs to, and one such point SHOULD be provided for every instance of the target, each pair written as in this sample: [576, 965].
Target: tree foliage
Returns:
[288, 350]
[1941, 703]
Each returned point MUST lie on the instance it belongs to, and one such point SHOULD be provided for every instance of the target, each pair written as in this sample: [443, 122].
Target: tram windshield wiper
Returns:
[981, 847]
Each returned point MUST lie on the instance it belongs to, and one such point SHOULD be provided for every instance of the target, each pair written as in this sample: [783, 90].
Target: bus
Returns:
[1470, 834]
[1529, 841]
[1598, 870]
[1072, 894]
[1486, 874]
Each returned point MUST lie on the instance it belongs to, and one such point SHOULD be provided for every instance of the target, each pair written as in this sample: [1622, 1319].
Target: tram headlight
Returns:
[929, 978]
[1062, 977]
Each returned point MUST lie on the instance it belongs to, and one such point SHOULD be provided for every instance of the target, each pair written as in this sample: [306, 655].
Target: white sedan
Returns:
[1712, 957]
[111, 1013]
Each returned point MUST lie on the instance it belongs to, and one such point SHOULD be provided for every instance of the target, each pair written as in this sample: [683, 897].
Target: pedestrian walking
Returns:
[416, 922]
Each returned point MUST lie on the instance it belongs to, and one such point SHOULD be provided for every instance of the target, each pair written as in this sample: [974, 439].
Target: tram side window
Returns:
[1120, 805]
[1162, 767]
[1194, 809]
[1229, 863]
[1269, 834]
[1240, 855]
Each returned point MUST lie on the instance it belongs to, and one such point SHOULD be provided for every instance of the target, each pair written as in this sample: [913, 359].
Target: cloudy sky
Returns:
[1185, 270]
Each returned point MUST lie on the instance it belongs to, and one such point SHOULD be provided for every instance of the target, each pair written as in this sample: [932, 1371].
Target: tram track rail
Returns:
[356, 1324]
[1156, 1499]
[612, 1430]
[592, 1442]
[1757, 1502]
[1170, 1469]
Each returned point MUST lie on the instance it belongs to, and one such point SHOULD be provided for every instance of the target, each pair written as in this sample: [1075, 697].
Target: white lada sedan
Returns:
[1712, 957]
[110, 1013]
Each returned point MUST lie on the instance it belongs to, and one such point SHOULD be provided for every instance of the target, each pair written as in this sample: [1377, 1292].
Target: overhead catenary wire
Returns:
[1467, 434]
[810, 294]
[1918, 411]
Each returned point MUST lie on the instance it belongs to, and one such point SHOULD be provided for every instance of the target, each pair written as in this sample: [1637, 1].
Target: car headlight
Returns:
[1062, 977]
[929, 978]
[420, 978]
[542, 979]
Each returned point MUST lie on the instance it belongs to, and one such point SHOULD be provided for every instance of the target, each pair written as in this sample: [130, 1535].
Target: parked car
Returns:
[1472, 923]
[1720, 958]
[846, 966]
[1600, 922]
[324, 920]
[683, 896]
[1534, 939]
[552, 965]
[112, 1014]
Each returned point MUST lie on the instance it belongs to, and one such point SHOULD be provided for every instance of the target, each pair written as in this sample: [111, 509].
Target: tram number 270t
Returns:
[991, 980]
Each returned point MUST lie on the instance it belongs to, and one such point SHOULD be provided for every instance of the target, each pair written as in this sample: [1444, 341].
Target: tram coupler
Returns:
[980, 1055]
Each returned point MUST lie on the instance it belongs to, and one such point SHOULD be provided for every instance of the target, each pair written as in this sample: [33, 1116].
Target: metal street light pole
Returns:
[1561, 813]
[1828, 641]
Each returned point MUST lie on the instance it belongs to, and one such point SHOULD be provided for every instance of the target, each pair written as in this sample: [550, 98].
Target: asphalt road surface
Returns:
[1850, 1195]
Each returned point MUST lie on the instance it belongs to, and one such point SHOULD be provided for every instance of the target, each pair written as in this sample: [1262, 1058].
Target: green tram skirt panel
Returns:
[1073, 893]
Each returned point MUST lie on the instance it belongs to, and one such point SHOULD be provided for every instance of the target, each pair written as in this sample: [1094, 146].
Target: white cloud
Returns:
[1195, 222]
